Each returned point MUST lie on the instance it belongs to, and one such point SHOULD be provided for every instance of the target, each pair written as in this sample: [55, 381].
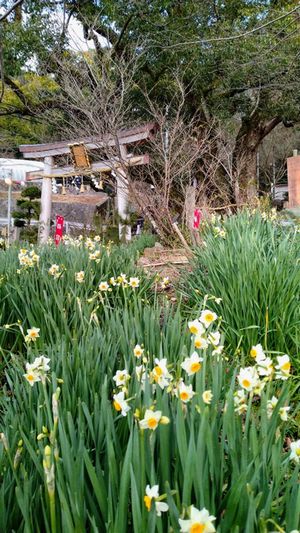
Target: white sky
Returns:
[77, 40]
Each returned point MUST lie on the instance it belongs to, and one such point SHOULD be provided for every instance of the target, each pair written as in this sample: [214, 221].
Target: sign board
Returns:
[59, 229]
[197, 218]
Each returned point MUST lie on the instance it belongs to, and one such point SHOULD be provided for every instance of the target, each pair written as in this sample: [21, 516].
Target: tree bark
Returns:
[251, 134]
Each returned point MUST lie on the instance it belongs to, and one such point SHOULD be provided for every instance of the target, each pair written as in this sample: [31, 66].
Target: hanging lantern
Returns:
[63, 189]
[82, 186]
[101, 182]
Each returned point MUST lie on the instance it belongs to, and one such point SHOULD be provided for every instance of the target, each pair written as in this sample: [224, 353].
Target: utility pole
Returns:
[8, 182]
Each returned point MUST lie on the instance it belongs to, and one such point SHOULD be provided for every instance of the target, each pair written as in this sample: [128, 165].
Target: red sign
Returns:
[197, 218]
[59, 229]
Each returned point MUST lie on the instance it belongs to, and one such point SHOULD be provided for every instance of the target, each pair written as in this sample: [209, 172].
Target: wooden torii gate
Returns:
[123, 139]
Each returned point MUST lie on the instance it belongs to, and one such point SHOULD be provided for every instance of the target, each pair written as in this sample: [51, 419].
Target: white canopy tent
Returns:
[18, 169]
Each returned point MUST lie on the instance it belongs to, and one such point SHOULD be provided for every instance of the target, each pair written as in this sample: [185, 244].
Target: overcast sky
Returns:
[77, 41]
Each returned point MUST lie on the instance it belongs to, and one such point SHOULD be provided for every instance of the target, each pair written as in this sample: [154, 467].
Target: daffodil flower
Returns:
[264, 365]
[121, 377]
[271, 404]
[32, 376]
[199, 522]
[214, 337]
[218, 350]
[120, 404]
[295, 451]
[79, 276]
[160, 373]
[240, 402]
[207, 317]
[207, 397]
[248, 378]
[283, 368]
[54, 271]
[32, 334]
[257, 351]
[41, 363]
[196, 328]
[103, 286]
[134, 282]
[185, 392]
[164, 283]
[36, 371]
[138, 351]
[152, 494]
[192, 364]
[283, 413]
[200, 342]
[150, 420]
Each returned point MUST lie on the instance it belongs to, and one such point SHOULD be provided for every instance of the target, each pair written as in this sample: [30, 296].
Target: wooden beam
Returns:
[101, 166]
[130, 136]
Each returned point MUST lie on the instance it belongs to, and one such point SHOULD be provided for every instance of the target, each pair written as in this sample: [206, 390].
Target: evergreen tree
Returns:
[28, 207]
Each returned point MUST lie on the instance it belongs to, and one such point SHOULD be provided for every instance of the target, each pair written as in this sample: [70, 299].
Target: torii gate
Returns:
[49, 151]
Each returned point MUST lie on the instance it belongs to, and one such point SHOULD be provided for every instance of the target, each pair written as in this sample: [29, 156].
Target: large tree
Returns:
[30, 35]
[238, 59]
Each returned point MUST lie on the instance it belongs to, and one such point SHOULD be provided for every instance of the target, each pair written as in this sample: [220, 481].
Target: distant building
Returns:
[280, 192]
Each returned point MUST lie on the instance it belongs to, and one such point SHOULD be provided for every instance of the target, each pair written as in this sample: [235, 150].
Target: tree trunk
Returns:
[245, 185]
[251, 134]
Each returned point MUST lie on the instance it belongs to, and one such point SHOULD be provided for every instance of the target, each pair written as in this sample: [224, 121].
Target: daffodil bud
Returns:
[55, 397]
[47, 454]
[17, 457]
[4, 441]
[164, 420]
[56, 453]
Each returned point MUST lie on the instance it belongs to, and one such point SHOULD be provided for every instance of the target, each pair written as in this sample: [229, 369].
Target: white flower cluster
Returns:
[28, 258]
[252, 379]
[119, 281]
[37, 370]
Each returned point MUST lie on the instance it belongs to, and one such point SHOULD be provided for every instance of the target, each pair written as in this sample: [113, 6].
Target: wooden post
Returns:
[46, 198]
[122, 198]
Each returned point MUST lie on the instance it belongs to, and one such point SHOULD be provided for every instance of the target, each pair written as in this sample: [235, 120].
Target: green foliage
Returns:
[31, 192]
[100, 462]
[255, 270]
[28, 208]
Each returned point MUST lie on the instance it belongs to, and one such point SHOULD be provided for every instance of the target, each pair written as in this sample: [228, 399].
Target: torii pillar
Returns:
[122, 198]
[46, 200]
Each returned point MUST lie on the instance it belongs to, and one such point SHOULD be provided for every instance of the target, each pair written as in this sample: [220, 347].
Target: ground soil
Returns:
[165, 262]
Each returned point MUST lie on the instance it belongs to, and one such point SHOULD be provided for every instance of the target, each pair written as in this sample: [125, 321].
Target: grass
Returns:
[255, 270]
[69, 460]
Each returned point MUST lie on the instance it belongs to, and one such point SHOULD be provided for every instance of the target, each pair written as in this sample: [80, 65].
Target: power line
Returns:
[234, 37]
[10, 10]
